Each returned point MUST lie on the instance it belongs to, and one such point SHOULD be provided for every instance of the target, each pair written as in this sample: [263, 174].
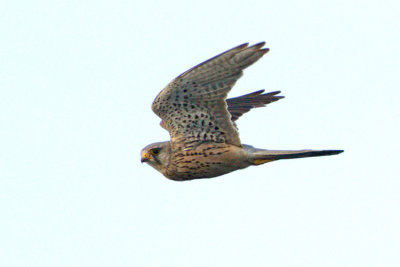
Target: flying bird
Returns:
[202, 122]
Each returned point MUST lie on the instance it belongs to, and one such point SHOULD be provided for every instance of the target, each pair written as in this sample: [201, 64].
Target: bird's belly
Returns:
[208, 160]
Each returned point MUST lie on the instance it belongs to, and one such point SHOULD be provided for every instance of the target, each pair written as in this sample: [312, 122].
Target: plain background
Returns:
[77, 79]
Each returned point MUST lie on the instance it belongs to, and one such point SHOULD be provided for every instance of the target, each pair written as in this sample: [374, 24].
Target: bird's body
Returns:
[207, 160]
[201, 121]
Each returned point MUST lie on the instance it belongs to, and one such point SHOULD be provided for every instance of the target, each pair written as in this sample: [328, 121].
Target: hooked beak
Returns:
[144, 157]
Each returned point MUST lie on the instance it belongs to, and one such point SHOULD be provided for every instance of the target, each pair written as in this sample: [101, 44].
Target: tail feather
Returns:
[294, 154]
[261, 156]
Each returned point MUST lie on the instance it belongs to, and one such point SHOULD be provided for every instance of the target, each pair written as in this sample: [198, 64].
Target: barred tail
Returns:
[261, 156]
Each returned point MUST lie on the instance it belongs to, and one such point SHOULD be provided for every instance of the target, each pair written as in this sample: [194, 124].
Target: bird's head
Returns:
[157, 155]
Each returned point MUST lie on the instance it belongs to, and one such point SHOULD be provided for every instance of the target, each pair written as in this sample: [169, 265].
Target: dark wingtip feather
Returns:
[237, 106]
[258, 46]
[275, 95]
[265, 50]
[241, 46]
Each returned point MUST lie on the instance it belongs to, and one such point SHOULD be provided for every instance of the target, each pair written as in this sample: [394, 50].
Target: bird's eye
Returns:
[155, 151]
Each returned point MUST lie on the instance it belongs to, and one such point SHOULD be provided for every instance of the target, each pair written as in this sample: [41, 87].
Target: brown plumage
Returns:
[237, 106]
[201, 121]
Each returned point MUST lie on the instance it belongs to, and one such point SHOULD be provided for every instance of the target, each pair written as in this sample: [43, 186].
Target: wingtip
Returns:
[241, 46]
[260, 47]
[275, 95]
[265, 50]
[257, 46]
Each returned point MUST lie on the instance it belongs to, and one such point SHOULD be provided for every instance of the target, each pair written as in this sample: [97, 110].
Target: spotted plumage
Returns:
[201, 121]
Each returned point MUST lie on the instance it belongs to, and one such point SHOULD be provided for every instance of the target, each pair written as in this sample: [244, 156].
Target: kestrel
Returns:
[201, 121]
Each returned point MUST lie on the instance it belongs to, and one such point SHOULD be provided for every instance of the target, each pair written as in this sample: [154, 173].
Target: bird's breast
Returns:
[207, 160]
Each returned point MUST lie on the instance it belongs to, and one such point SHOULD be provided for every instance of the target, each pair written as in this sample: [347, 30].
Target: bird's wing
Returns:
[237, 106]
[193, 108]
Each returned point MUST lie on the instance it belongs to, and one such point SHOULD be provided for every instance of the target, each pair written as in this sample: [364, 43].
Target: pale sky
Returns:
[77, 79]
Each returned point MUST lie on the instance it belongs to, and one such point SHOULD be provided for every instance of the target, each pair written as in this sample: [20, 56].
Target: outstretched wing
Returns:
[237, 106]
[193, 108]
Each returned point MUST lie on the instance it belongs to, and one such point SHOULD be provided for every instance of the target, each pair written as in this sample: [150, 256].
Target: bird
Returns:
[204, 138]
